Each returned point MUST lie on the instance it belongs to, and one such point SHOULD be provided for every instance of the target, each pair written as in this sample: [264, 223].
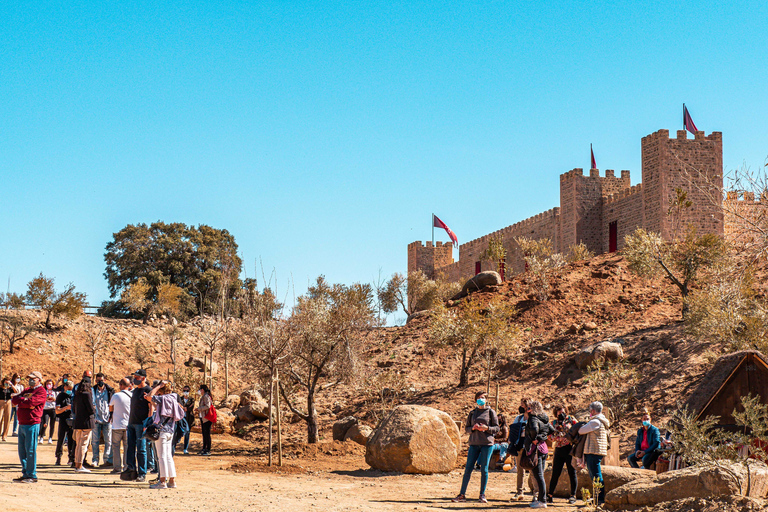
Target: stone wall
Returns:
[743, 216]
[427, 258]
[626, 209]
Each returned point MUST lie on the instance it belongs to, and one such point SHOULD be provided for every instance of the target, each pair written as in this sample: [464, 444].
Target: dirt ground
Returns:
[226, 482]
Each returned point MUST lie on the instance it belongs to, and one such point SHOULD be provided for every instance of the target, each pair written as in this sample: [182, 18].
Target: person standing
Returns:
[29, 410]
[646, 443]
[64, 414]
[562, 423]
[481, 425]
[167, 411]
[49, 412]
[17, 387]
[516, 441]
[536, 432]
[120, 412]
[84, 419]
[596, 444]
[6, 407]
[137, 445]
[102, 431]
[188, 404]
[206, 402]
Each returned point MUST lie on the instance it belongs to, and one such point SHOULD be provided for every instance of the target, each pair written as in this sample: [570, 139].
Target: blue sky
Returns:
[323, 134]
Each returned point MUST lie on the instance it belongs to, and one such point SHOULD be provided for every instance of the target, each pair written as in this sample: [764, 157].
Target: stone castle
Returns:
[600, 210]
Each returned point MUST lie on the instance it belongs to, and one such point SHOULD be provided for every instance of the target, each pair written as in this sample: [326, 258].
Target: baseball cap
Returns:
[140, 373]
[36, 375]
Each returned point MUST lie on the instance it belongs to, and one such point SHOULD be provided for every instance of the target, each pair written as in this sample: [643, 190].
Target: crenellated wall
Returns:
[626, 209]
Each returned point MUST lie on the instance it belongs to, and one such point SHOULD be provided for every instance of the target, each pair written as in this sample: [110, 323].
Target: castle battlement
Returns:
[637, 189]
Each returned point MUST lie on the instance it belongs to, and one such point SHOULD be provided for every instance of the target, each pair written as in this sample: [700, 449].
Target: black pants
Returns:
[65, 431]
[562, 456]
[207, 436]
[538, 473]
[49, 420]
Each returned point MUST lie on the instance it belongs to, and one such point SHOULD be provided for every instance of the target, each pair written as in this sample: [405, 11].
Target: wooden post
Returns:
[279, 426]
[269, 412]
[226, 374]
[497, 397]
[205, 367]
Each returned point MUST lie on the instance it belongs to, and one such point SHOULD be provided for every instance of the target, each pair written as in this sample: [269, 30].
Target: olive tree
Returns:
[68, 302]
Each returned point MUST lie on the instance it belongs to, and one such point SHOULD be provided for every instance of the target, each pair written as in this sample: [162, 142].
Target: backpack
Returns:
[211, 415]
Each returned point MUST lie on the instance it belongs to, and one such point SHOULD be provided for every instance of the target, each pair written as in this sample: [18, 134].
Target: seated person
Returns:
[500, 444]
[646, 444]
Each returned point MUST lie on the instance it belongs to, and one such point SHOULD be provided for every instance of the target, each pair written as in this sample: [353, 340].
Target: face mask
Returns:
[69, 392]
[17, 381]
[186, 393]
[100, 384]
[31, 383]
[200, 392]
[6, 385]
[481, 402]
[136, 381]
[521, 409]
[646, 424]
[49, 386]
[561, 417]
[64, 380]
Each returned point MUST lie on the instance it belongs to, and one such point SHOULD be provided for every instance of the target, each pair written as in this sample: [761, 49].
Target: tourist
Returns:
[62, 382]
[102, 431]
[83, 421]
[188, 403]
[596, 444]
[29, 409]
[49, 412]
[516, 440]
[501, 440]
[6, 407]
[646, 444]
[120, 411]
[17, 387]
[137, 445]
[206, 402]
[482, 424]
[167, 411]
[537, 430]
[64, 415]
[562, 423]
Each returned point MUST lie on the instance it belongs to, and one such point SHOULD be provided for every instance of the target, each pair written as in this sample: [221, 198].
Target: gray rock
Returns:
[341, 427]
[478, 282]
[606, 350]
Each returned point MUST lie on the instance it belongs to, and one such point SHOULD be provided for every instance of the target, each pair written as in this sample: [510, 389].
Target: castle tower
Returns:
[428, 257]
[693, 165]
[581, 206]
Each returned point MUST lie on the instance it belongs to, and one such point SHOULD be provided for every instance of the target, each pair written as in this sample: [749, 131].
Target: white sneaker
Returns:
[50, 441]
[82, 470]
[40, 441]
[538, 504]
[158, 485]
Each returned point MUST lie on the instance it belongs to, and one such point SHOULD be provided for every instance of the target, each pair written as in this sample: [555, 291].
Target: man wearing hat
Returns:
[29, 404]
[137, 446]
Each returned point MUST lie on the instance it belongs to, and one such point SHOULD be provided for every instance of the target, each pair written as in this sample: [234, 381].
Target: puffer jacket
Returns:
[596, 431]
[538, 429]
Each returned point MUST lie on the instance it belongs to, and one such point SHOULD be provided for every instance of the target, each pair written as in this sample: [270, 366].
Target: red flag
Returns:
[688, 122]
[594, 165]
[437, 223]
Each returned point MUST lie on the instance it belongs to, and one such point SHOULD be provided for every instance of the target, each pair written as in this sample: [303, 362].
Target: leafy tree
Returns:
[143, 356]
[11, 300]
[146, 299]
[195, 259]
[475, 330]
[255, 303]
[68, 303]
[540, 260]
[496, 252]
[415, 293]
[326, 329]
[679, 262]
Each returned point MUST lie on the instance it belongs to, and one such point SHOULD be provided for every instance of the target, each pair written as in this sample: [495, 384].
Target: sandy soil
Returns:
[211, 484]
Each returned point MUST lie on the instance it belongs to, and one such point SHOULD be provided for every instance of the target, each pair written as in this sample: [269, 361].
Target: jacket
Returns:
[516, 435]
[83, 411]
[110, 391]
[654, 438]
[537, 429]
[596, 431]
[577, 440]
[30, 403]
[486, 416]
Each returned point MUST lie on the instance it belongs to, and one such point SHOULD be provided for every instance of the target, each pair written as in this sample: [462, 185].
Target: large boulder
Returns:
[613, 476]
[478, 282]
[193, 362]
[250, 395]
[341, 427]
[414, 439]
[232, 402]
[358, 433]
[694, 482]
[605, 350]
[225, 420]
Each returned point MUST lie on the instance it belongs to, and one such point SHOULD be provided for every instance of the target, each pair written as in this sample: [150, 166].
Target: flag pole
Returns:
[683, 115]
[433, 230]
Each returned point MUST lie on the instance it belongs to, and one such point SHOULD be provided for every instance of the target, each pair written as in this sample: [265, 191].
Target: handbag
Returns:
[153, 431]
[530, 458]
[211, 414]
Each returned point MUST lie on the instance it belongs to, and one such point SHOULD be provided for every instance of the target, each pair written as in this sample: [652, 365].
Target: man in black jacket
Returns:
[64, 413]
[102, 431]
[137, 445]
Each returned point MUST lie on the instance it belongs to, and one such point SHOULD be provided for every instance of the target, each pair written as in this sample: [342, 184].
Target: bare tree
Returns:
[213, 334]
[173, 334]
[143, 356]
[95, 341]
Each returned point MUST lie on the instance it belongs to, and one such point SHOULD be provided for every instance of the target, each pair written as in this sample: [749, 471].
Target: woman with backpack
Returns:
[203, 408]
[167, 411]
[562, 424]
[536, 432]
[482, 425]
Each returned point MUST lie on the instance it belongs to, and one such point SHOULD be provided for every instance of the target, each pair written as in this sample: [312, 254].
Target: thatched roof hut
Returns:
[732, 377]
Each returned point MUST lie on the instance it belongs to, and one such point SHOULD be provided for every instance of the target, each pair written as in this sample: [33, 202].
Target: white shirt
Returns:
[121, 404]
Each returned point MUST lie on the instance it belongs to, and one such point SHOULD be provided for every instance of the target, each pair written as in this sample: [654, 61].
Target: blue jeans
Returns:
[502, 449]
[15, 421]
[102, 432]
[648, 460]
[137, 449]
[480, 455]
[28, 449]
[593, 466]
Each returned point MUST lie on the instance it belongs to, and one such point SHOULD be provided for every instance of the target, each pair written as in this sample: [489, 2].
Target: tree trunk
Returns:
[93, 364]
[48, 320]
[684, 294]
[269, 409]
[279, 426]
[312, 429]
[226, 377]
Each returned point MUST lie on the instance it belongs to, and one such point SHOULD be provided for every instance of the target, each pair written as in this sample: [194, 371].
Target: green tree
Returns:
[415, 293]
[146, 299]
[326, 330]
[496, 252]
[196, 259]
[681, 262]
[67, 303]
[476, 331]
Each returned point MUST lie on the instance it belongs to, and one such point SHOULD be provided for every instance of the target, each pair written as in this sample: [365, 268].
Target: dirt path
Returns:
[208, 484]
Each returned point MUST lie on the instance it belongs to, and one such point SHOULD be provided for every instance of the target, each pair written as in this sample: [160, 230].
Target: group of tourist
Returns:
[146, 422]
[582, 443]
